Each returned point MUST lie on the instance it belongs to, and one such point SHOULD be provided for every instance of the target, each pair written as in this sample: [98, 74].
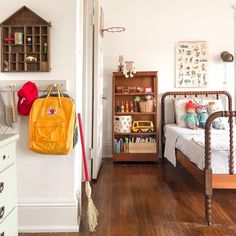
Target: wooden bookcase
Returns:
[141, 79]
[35, 43]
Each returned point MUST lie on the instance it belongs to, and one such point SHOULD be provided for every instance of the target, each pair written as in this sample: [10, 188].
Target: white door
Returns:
[97, 138]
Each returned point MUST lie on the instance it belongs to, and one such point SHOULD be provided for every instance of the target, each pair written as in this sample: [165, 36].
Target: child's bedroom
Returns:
[117, 118]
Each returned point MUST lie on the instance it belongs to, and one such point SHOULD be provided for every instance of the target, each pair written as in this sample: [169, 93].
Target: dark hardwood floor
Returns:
[150, 200]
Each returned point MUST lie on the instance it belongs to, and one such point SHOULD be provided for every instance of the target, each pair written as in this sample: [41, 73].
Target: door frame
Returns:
[87, 92]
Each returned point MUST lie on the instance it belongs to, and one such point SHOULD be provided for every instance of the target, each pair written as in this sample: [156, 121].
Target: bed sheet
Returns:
[191, 144]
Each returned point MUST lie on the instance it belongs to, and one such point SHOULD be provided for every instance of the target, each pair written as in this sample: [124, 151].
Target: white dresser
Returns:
[8, 190]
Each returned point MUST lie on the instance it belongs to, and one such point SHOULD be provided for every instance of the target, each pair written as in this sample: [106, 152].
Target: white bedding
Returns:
[191, 143]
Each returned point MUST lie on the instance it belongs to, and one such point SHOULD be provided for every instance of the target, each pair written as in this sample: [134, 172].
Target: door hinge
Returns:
[91, 153]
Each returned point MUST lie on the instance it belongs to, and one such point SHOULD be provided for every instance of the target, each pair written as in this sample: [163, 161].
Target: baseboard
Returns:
[42, 215]
[107, 150]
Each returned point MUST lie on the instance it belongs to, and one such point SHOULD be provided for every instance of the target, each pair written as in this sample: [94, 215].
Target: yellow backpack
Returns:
[51, 124]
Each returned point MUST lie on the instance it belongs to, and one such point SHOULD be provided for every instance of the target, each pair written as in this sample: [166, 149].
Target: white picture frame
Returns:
[191, 64]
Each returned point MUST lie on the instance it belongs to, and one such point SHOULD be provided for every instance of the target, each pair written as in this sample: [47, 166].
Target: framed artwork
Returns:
[191, 64]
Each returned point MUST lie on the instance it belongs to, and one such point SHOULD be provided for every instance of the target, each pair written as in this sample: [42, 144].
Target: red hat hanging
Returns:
[27, 94]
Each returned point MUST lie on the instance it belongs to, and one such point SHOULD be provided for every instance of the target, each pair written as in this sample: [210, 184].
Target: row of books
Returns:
[122, 145]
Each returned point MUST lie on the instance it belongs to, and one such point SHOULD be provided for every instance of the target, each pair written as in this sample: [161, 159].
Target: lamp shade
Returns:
[227, 57]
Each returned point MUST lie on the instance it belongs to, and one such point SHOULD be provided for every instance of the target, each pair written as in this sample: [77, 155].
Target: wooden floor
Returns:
[146, 200]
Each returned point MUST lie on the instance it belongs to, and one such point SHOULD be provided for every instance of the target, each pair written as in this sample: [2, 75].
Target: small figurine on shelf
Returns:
[118, 106]
[136, 101]
[131, 106]
[6, 66]
[122, 106]
[29, 40]
[121, 64]
[129, 69]
[127, 106]
[45, 48]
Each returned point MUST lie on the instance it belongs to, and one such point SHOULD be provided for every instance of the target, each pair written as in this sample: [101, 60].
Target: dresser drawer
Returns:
[7, 156]
[8, 191]
[9, 226]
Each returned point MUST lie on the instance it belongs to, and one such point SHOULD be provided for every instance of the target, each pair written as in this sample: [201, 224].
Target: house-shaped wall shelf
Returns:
[25, 42]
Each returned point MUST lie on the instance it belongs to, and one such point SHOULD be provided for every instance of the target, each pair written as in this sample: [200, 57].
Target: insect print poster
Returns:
[191, 64]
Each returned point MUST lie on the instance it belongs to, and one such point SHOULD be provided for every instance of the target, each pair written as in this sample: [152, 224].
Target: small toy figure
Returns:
[217, 123]
[131, 106]
[31, 59]
[118, 106]
[121, 64]
[127, 106]
[190, 117]
[29, 40]
[129, 69]
[6, 66]
[202, 115]
[136, 100]
[45, 48]
[122, 106]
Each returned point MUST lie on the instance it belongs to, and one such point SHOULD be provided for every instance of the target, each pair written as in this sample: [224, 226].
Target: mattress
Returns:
[191, 144]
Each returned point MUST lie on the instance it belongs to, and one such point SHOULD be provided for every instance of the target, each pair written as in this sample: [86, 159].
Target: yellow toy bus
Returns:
[142, 127]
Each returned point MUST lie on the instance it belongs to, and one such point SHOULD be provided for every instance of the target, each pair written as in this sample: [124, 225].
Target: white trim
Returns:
[49, 215]
[51, 229]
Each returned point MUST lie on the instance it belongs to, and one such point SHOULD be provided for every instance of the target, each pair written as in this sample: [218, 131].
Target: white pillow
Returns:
[179, 105]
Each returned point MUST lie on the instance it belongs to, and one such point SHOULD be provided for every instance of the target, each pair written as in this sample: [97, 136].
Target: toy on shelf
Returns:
[143, 127]
[148, 89]
[29, 40]
[45, 48]
[202, 114]
[6, 66]
[9, 39]
[190, 118]
[129, 69]
[217, 123]
[131, 106]
[122, 106]
[127, 106]
[121, 64]
[136, 100]
[31, 59]
[18, 38]
[118, 106]
[139, 90]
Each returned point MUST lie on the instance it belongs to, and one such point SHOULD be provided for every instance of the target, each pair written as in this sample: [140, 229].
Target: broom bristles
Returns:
[92, 212]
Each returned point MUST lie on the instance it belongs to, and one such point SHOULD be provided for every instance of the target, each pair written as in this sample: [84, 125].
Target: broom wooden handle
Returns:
[83, 148]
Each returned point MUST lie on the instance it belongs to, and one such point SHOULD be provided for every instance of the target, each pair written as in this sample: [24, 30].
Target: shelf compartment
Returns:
[44, 30]
[17, 48]
[29, 30]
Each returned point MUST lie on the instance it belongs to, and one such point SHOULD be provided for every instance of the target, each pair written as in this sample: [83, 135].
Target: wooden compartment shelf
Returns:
[141, 151]
[35, 42]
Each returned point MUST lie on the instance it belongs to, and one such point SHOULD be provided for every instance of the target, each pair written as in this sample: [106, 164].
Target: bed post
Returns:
[208, 171]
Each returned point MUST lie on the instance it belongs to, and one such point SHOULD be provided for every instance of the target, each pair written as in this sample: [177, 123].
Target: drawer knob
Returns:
[4, 157]
[2, 211]
[1, 188]
[2, 234]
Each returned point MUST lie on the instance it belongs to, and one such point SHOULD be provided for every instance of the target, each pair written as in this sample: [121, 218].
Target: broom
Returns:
[92, 212]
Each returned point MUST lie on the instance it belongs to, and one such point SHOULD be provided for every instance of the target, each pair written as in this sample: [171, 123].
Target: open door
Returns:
[97, 135]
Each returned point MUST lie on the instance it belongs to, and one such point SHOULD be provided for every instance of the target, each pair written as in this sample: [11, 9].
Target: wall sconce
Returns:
[227, 57]
[114, 29]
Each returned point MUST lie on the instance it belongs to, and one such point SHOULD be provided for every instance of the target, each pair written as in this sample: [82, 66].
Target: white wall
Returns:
[152, 29]
[46, 184]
